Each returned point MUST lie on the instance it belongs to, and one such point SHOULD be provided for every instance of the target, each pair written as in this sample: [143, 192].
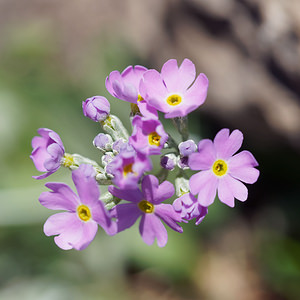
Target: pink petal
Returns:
[241, 166]
[230, 188]
[67, 226]
[86, 185]
[89, 230]
[226, 145]
[103, 218]
[132, 195]
[196, 94]
[204, 184]
[167, 213]
[178, 80]
[153, 90]
[61, 198]
[150, 228]
[204, 158]
[126, 215]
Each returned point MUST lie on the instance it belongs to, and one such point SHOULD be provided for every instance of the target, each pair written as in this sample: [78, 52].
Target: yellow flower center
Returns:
[174, 100]
[127, 169]
[220, 167]
[68, 160]
[146, 207]
[140, 98]
[84, 212]
[154, 139]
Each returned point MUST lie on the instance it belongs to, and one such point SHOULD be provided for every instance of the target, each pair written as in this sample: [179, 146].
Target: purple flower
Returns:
[148, 136]
[127, 168]
[96, 108]
[103, 142]
[121, 145]
[221, 170]
[76, 227]
[125, 86]
[172, 91]
[48, 151]
[147, 204]
[189, 208]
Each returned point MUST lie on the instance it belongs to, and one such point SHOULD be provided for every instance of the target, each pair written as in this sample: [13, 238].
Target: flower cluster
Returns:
[125, 164]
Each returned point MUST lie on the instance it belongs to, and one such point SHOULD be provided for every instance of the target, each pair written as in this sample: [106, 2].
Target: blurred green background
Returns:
[55, 54]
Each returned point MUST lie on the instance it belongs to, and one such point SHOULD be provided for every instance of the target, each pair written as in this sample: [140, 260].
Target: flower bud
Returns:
[186, 148]
[103, 142]
[168, 161]
[96, 108]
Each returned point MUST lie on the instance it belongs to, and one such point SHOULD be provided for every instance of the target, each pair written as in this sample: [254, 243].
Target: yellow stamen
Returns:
[127, 169]
[146, 207]
[68, 160]
[84, 212]
[174, 100]
[140, 98]
[154, 139]
[220, 167]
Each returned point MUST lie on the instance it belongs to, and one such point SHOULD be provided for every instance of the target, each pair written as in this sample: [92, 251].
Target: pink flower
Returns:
[76, 227]
[147, 204]
[125, 86]
[48, 151]
[172, 91]
[221, 170]
[128, 167]
[148, 136]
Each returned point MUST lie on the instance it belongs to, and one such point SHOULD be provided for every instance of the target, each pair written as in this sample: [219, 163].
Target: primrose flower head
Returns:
[148, 135]
[221, 170]
[78, 225]
[172, 91]
[147, 204]
[96, 108]
[48, 152]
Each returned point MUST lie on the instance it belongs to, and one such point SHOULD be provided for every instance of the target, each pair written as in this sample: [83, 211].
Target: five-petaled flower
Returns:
[78, 225]
[172, 91]
[221, 170]
[147, 204]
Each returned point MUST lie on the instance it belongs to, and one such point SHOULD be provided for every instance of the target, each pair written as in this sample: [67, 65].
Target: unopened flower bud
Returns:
[186, 148]
[103, 142]
[168, 161]
[96, 108]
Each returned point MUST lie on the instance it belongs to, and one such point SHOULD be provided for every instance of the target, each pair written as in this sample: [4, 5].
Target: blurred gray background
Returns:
[54, 54]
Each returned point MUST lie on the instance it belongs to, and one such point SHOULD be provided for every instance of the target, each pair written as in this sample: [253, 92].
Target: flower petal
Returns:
[197, 93]
[226, 145]
[89, 230]
[167, 213]
[204, 184]
[178, 79]
[132, 195]
[241, 166]
[61, 198]
[126, 215]
[230, 188]
[151, 227]
[67, 226]
[204, 158]
[103, 218]
[86, 184]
